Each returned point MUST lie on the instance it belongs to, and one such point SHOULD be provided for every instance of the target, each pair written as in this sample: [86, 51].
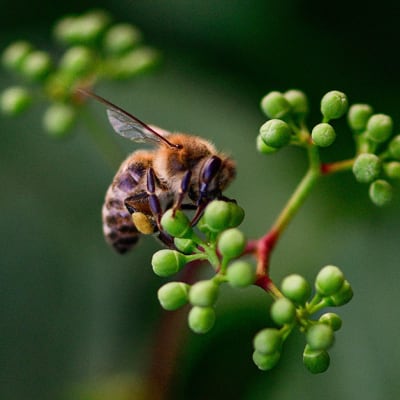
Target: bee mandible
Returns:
[182, 172]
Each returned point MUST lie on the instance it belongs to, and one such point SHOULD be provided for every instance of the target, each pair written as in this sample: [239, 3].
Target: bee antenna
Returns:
[107, 103]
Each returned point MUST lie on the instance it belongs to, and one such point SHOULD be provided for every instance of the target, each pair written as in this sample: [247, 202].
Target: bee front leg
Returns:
[154, 202]
[182, 191]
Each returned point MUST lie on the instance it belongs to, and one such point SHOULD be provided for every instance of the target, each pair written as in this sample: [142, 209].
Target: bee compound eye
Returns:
[143, 223]
[210, 168]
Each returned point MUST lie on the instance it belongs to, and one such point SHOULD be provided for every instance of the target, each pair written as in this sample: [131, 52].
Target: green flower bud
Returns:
[263, 148]
[36, 65]
[394, 147]
[241, 274]
[392, 169]
[316, 361]
[173, 295]
[381, 192]
[236, 214]
[201, 319]
[14, 100]
[231, 243]
[121, 37]
[367, 167]
[178, 225]
[323, 135]
[342, 297]
[379, 128]
[185, 246]
[268, 341]
[298, 102]
[329, 280]
[204, 293]
[78, 60]
[358, 116]
[334, 104]
[275, 105]
[275, 133]
[217, 215]
[58, 119]
[296, 288]
[167, 262]
[15, 54]
[283, 311]
[266, 362]
[331, 319]
[320, 337]
[131, 63]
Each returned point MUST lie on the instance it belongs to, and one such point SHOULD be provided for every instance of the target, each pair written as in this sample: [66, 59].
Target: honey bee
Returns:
[183, 172]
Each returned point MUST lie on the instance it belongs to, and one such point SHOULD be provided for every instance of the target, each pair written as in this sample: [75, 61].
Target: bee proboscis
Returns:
[183, 171]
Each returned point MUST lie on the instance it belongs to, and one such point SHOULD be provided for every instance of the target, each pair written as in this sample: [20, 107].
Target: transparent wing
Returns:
[132, 129]
[129, 126]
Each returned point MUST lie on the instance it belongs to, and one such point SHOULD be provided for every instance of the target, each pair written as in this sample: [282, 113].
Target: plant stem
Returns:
[266, 243]
[103, 140]
[337, 166]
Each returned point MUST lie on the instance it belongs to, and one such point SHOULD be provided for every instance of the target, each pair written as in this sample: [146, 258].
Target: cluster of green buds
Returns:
[95, 48]
[377, 152]
[216, 239]
[295, 307]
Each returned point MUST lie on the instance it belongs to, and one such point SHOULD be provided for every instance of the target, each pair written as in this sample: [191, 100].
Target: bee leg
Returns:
[208, 172]
[182, 191]
[154, 202]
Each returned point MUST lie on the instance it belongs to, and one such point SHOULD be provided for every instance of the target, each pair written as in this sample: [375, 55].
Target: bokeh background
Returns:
[76, 318]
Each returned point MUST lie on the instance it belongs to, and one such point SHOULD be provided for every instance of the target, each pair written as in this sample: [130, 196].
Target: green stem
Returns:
[103, 140]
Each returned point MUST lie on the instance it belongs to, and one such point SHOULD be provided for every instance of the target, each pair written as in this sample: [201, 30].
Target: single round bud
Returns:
[167, 262]
[358, 116]
[58, 119]
[329, 280]
[185, 246]
[268, 341]
[394, 147]
[132, 63]
[121, 37]
[392, 169]
[331, 319]
[241, 274]
[367, 167]
[266, 362]
[15, 54]
[66, 30]
[379, 128]
[334, 104]
[342, 297]
[231, 243]
[275, 105]
[217, 215]
[381, 192]
[316, 361]
[283, 311]
[275, 133]
[177, 225]
[204, 293]
[236, 214]
[263, 148]
[323, 135]
[298, 102]
[173, 295]
[201, 319]
[296, 288]
[320, 337]
[78, 60]
[36, 65]
[14, 100]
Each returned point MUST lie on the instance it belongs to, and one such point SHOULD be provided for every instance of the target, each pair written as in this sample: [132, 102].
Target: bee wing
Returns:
[129, 126]
[132, 128]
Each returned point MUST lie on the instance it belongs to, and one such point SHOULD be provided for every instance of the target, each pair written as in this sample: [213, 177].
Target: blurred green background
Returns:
[74, 313]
